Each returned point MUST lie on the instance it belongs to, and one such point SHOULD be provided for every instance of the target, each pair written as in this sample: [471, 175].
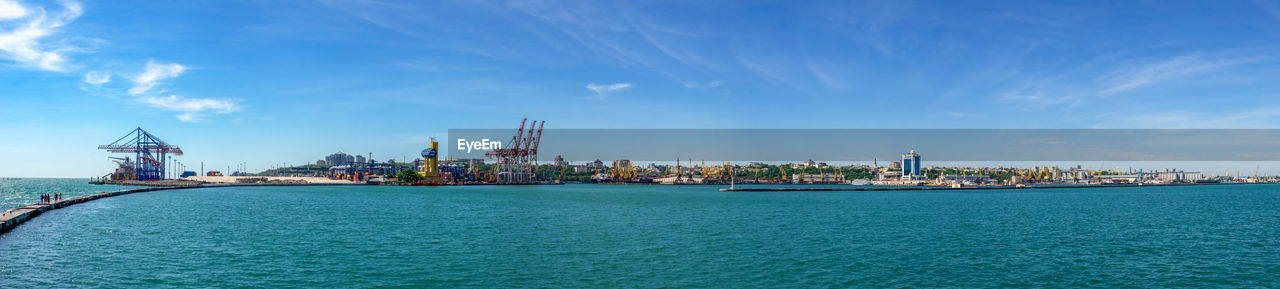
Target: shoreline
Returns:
[944, 188]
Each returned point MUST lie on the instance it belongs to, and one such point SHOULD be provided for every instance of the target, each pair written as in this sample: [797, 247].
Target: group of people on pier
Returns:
[50, 198]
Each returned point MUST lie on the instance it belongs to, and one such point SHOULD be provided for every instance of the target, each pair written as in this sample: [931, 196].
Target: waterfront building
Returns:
[559, 161]
[339, 159]
[823, 178]
[911, 166]
[320, 162]
[886, 175]
[360, 159]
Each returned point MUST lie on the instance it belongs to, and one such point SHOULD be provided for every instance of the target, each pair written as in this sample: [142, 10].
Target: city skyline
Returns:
[290, 81]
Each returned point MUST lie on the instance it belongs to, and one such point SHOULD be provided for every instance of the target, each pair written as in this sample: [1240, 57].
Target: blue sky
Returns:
[269, 82]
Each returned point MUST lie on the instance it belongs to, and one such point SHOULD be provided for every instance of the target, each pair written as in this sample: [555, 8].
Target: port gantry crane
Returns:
[149, 153]
[515, 164]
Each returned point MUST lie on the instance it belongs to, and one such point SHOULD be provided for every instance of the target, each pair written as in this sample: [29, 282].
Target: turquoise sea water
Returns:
[17, 192]
[620, 236]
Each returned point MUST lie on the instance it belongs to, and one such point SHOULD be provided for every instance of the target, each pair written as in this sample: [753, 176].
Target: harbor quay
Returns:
[150, 161]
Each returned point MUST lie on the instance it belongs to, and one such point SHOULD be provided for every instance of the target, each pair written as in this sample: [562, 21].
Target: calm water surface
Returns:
[653, 236]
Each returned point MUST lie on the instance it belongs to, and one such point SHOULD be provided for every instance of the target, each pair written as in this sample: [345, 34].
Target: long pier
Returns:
[12, 218]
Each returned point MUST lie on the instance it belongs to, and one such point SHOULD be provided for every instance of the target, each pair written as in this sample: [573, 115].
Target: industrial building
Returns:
[823, 178]
[1172, 176]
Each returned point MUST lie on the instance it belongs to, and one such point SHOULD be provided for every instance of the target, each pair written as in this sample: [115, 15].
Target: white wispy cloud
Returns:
[1035, 98]
[602, 89]
[672, 42]
[11, 10]
[193, 109]
[154, 73]
[824, 75]
[22, 42]
[1258, 117]
[1079, 87]
[97, 77]
[709, 84]
[1171, 69]
[966, 115]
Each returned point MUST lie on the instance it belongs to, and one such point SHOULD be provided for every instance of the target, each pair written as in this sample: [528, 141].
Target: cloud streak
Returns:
[193, 109]
[1179, 67]
[603, 89]
[1264, 117]
[23, 43]
[1072, 88]
[97, 77]
[154, 73]
[709, 84]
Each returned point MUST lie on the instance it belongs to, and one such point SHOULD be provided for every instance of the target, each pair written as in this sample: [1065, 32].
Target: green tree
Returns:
[408, 176]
